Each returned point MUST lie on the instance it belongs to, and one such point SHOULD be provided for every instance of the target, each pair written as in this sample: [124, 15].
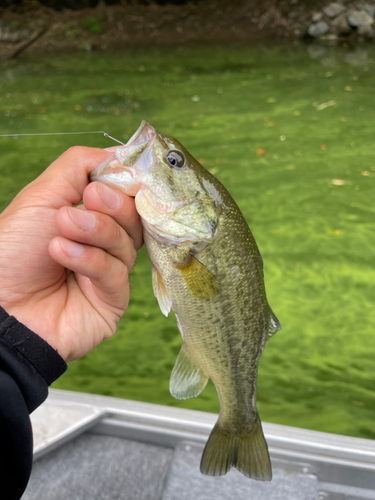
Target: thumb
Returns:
[64, 181]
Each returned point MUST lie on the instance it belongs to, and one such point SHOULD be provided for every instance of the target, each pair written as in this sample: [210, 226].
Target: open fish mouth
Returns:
[112, 173]
[143, 134]
[121, 170]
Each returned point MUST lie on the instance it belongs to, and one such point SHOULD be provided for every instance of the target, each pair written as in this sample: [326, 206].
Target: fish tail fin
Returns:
[247, 452]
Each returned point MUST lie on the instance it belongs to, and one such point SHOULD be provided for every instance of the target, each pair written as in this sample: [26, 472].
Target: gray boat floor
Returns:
[97, 467]
[91, 447]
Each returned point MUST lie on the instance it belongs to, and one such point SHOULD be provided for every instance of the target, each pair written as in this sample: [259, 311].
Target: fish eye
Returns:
[175, 159]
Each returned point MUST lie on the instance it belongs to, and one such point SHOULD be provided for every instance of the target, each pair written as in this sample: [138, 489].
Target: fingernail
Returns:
[83, 219]
[109, 197]
[71, 248]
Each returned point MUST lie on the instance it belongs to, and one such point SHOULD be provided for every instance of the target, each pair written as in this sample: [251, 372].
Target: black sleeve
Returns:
[28, 365]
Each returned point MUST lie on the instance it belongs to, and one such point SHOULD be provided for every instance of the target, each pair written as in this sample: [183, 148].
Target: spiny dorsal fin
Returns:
[160, 292]
[187, 380]
[198, 278]
[273, 324]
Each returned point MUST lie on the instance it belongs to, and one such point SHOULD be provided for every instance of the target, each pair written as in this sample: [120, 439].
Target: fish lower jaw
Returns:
[128, 189]
[160, 206]
[163, 237]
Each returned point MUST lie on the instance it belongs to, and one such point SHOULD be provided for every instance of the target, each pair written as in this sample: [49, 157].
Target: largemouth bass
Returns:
[206, 266]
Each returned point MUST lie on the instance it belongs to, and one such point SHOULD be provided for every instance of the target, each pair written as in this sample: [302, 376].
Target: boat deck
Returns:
[90, 447]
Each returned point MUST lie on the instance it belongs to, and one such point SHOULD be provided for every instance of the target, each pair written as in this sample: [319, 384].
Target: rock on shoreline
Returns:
[338, 21]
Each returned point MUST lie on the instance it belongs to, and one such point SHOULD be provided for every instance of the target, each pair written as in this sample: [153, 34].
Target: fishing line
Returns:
[62, 133]
[113, 139]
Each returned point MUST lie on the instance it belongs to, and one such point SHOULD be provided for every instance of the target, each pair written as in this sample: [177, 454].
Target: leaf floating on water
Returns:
[336, 232]
[325, 105]
[342, 119]
[365, 173]
[202, 161]
[214, 171]
[323, 147]
[78, 107]
[271, 123]
[348, 88]
[338, 182]
[260, 151]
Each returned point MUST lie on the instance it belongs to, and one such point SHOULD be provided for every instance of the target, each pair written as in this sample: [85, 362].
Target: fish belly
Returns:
[223, 339]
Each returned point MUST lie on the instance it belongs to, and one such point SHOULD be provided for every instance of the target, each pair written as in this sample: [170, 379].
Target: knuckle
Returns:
[75, 151]
[122, 274]
[118, 233]
[100, 264]
[131, 254]
[108, 335]
[107, 263]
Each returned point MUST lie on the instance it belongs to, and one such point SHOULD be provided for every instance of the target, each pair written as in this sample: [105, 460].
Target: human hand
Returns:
[64, 270]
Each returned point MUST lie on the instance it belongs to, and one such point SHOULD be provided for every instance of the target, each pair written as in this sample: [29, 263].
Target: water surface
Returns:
[290, 132]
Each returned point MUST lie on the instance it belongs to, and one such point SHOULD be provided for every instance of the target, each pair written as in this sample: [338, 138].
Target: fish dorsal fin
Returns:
[160, 292]
[187, 380]
[200, 281]
[273, 324]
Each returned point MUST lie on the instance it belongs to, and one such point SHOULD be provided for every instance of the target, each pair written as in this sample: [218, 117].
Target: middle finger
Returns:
[98, 230]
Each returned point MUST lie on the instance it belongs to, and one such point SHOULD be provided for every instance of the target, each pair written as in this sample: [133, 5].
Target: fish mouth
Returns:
[119, 171]
[144, 133]
[113, 174]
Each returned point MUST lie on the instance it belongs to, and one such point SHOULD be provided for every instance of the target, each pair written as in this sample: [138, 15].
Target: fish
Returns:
[207, 268]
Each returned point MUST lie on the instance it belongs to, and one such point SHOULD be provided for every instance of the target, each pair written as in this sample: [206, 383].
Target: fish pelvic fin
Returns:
[273, 324]
[160, 292]
[247, 452]
[187, 379]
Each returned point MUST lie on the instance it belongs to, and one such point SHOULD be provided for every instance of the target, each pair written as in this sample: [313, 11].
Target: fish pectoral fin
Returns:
[187, 379]
[200, 281]
[160, 292]
[273, 324]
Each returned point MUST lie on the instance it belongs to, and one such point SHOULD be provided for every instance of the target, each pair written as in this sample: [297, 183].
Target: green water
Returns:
[309, 200]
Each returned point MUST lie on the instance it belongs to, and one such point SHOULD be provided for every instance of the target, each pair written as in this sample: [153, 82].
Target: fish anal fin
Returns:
[187, 379]
[247, 452]
[160, 292]
[200, 281]
[273, 324]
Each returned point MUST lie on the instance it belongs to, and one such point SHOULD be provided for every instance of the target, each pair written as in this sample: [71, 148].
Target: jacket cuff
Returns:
[48, 363]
